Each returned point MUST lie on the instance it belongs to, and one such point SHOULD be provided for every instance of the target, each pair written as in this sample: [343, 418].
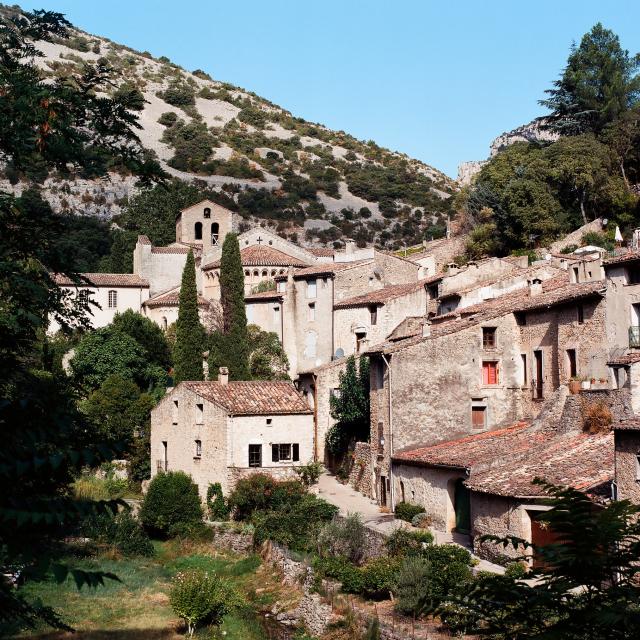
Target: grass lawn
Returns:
[137, 607]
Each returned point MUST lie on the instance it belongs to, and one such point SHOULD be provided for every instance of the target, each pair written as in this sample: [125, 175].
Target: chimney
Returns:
[452, 268]
[350, 247]
[223, 375]
[426, 329]
[535, 287]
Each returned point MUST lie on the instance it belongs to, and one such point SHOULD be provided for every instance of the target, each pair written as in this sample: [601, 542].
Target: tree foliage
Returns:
[599, 83]
[188, 348]
[147, 334]
[585, 585]
[350, 407]
[234, 348]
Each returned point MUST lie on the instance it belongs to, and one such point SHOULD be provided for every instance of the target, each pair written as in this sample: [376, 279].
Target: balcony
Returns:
[634, 337]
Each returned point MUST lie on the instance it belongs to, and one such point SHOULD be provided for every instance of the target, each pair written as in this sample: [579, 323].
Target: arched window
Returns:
[215, 230]
[113, 299]
[256, 273]
[197, 232]
[247, 272]
[207, 212]
[273, 272]
[265, 273]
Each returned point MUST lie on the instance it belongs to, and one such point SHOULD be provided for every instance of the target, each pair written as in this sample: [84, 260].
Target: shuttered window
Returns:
[489, 373]
[284, 452]
[478, 417]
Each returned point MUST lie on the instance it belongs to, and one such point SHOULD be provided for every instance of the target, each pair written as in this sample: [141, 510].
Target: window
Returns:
[312, 311]
[197, 231]
[282, 285]
[312, 288]
[373, 310]
[215, 230]
[580, 314]
[360, 339]
[633, 275]
[525, 370]
[572, 363]
[285, 452]
[199, 413]
[489, 373]
[175, 412]
[207, 212]
[380, 438]
[576, 272]
[113, 299]
[489, 337]
[198, 449]
[83, 296]
[269, 422]
[478, 417]
[255, 455]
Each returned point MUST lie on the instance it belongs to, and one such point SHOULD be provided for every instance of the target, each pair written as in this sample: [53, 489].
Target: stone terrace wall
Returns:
[618, 401]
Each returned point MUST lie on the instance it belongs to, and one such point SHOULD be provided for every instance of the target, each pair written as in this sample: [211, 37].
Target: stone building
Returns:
[106, 293]
[221, 431]
[627, 459]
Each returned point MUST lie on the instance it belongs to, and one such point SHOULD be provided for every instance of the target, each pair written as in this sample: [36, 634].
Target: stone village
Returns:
[482, 377]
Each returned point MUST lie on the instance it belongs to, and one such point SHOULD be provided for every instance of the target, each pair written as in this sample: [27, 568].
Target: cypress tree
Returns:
[187, 352]
[234, 348]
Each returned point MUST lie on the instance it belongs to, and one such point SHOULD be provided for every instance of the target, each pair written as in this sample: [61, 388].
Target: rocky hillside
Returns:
[232, 140]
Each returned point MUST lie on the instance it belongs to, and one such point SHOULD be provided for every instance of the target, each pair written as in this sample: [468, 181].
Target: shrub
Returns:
[168, 118]
[450, 571]
[122, 531]
[421, 520]
[343, 537]
[172, 498]
[253, 116]
[412, 585]
[91, 487]
[216, 503]
[596, 417]
[342, 570]
[379, 576]
[260, 492]
[516, 570]
[192, 531]
[309, 473]
[403, 542]
[178, 94]
[406, 511]
[201, 598]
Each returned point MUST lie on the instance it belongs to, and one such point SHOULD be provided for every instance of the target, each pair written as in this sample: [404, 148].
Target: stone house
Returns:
[222, 431]
[107, 293]
[482, 368]
[163, 307]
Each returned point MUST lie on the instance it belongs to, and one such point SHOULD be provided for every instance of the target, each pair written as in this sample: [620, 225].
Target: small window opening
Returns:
[198, 449]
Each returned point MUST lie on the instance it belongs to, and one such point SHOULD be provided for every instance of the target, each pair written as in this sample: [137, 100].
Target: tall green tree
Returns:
[350, 407]
[190, 337]
[234, 348]
[147, 334]
[71, 126]
[599, 83]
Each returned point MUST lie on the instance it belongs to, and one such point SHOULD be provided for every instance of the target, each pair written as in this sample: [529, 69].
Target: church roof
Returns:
[171, 299]
[258, 256]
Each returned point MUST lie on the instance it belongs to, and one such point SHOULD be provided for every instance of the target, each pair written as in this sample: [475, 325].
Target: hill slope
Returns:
[325, 182]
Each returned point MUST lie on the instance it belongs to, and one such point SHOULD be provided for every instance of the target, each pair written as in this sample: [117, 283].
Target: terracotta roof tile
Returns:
[321, 252]
[171, 299]
[174, 249]
[264, 295]
[380, 296]
[626, 359]
[102, 280]
[325, 269]
[630, 424]
[631, 255]
[258, 256]
[255, 397]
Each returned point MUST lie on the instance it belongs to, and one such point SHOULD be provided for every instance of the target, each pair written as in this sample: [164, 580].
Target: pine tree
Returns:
[234, 350]
[187, 352]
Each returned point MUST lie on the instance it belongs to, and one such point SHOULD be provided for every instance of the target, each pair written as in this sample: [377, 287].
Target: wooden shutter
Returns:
[296, 452]
[275, 453]
[489, 373]
[477, 417]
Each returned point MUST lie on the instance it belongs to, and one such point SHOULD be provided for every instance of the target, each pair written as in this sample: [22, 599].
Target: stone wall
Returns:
[627, 450]
[617, 400]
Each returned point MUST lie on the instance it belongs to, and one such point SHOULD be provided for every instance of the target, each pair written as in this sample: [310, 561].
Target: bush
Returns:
[260, 492]
[342, 570]
[309, 473]
[216, 503]
[172, 499]
[403, 542]
[516, 570]
[378, 577]
[178, 94]
[344, 537]
[91, 487]
[122, 531]
[406, 510]
[450, 572]
[201, 598]
[412, 586]
[198, 531]
[168, 118]
[421, 520]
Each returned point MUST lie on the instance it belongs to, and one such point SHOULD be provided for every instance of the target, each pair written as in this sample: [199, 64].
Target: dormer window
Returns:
[207, 212]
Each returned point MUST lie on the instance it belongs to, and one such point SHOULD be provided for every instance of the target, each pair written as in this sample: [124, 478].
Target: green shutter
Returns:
[296, 452]
[275, 453]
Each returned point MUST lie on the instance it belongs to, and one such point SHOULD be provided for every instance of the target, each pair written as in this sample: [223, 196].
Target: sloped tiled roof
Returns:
[102, 280]
[505, 462]
[627, 256]
[630, 424]
[171, 299]
[321, 252]
[258, 256]
[255, 397]
[326, 269]
[626, 359]
[178, 248]
[380, 296]
[264, 295]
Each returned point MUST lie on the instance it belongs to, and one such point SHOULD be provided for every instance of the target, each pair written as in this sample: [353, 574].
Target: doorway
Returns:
[573, 363]
[541, 535]
[462, 507]
[383, 491]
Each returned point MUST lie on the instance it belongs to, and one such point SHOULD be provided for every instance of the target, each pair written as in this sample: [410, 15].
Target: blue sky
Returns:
[435, 80]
